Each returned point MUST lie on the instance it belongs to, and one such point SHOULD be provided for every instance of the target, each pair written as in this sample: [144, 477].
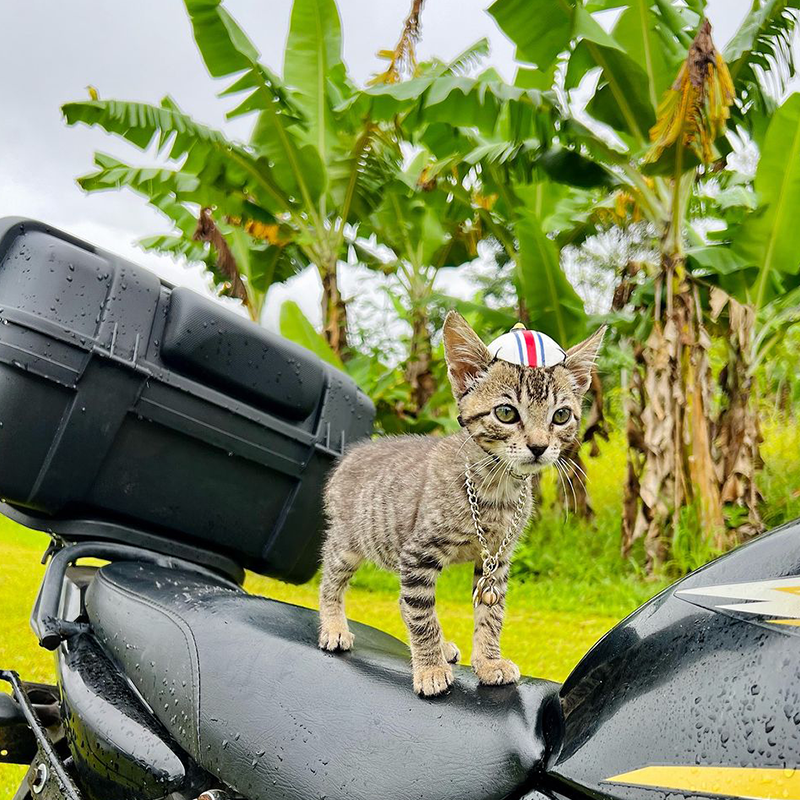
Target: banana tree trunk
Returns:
[334, 309]
[418, 371]
[785, 405]
[670, 459]
[596, 423]
[738, 434]
[522, 311]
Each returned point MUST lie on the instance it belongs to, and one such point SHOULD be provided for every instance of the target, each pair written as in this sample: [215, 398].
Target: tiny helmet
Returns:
[527, 348]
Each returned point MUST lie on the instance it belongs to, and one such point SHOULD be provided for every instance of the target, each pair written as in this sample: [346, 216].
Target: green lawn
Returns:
[544, 642]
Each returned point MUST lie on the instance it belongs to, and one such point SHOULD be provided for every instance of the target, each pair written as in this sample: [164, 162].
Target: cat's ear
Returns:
[581, 359]
[466, 355]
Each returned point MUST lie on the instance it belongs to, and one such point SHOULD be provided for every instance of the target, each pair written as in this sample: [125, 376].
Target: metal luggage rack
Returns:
[48, 627]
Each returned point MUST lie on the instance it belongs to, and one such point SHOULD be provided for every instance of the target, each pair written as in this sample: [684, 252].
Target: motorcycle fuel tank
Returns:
[697, 693]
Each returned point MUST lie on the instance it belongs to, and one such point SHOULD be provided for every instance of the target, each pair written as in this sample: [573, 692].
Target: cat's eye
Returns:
[506, 414]
[562, 416]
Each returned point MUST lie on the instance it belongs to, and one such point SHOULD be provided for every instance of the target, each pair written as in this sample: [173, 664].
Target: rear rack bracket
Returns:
[47, 777]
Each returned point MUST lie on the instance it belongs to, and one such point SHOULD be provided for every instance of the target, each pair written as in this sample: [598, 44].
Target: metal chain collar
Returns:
[485, 591]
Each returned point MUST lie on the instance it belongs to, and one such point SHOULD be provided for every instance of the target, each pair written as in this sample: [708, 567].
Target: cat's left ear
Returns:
[581, 359]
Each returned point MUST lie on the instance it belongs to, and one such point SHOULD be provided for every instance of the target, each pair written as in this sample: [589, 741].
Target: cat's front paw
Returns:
[430, 681]
[452, 655]
[334, 637]
[496, 671]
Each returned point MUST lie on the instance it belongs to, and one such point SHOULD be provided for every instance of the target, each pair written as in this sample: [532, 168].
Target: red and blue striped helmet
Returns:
[527, 348]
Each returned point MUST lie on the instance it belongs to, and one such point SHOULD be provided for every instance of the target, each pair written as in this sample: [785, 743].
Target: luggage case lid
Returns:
[153, 407]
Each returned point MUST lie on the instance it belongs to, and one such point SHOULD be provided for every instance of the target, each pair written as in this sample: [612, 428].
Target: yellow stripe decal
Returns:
[740, 782]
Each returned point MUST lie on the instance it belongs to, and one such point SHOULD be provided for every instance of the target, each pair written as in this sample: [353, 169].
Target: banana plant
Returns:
[761, 62]
[656, 118]
[491, 152]
[268, 207]
[764, 242]
[757, 288]
[422, 228]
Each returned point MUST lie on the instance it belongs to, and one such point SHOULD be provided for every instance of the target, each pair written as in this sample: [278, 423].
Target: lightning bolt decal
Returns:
[753, 783]
[778, 599]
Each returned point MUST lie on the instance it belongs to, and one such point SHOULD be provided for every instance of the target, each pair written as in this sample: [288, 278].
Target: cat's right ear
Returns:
[466, 355]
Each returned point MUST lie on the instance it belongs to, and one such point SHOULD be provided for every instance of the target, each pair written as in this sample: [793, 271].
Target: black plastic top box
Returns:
[125, 399]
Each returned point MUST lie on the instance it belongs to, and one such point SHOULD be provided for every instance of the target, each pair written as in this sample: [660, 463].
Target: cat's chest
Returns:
[495, 522]
[492, 517]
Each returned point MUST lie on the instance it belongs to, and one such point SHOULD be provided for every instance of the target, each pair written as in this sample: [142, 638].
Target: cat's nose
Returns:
[537, 449]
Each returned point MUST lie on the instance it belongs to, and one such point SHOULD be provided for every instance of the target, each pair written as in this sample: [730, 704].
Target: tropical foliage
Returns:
[281, 201]
[634, 133]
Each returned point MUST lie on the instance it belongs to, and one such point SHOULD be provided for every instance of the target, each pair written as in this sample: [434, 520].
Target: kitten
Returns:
[401, 502]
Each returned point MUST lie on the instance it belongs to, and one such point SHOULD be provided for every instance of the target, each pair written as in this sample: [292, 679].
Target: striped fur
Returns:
[400, 502]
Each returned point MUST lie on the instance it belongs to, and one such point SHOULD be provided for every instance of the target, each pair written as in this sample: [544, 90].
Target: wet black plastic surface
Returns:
[224, 350]
[686, 682]
[119, 749]
[226, 446]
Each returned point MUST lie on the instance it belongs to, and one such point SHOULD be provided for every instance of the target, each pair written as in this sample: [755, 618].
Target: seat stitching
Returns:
[191, 646]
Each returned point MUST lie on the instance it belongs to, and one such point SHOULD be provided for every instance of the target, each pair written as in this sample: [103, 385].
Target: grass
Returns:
[570, 585]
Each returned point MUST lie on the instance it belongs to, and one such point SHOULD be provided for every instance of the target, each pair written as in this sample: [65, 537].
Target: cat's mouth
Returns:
[530, 467]
[536, 463]
[520, 468]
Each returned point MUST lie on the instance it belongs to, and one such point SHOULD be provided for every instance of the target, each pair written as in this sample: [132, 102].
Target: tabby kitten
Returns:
[401, 502]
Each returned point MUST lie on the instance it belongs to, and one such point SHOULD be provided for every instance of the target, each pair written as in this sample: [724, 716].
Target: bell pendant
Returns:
[490, 597]
[485, 592]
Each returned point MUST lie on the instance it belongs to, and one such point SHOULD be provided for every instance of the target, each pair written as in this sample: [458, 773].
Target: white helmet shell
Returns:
[527, 348]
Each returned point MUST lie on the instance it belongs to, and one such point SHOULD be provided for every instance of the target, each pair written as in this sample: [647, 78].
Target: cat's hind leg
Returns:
[452, 655]
[338, 567]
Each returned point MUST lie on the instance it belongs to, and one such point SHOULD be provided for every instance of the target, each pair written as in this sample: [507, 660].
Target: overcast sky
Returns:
[53, 49]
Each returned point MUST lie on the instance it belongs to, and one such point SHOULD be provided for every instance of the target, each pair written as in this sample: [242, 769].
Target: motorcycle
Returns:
[178, 443]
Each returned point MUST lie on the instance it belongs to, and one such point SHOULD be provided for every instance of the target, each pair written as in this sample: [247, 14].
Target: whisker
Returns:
[499, 465]
[567, 510]
[576, 474]
[501, 479]
[502, 475]
[486, 459]
[476, 466]
[563, 486]
[572, 489]
[577, 466]
[463, 444]
[506, 476]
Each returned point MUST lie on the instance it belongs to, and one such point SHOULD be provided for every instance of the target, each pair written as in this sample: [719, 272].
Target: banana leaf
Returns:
[766, 239]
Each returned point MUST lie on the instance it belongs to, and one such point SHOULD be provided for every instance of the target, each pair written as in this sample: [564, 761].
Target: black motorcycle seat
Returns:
[240, 684]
